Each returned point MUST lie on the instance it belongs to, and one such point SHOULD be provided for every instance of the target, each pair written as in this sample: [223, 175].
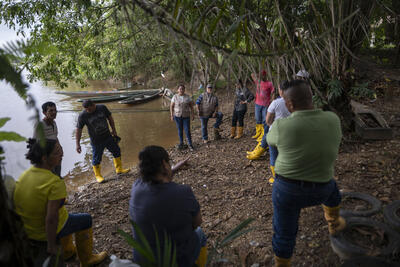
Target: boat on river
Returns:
[107, 98]
[104, 93]
[141, 98]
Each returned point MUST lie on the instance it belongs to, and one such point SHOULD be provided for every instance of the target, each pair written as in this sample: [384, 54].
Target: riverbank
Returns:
[231, 188]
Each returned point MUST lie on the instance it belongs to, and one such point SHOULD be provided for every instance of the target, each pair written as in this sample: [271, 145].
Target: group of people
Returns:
[303, 142]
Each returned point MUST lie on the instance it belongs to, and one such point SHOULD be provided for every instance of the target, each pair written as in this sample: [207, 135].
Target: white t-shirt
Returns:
[50, 131]
[279, 108]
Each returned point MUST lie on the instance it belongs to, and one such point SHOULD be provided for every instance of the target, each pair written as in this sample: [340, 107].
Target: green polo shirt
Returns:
[308, 144]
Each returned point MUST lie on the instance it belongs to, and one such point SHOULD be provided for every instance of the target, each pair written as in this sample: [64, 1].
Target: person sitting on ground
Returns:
[181, 110]
[39, 200]
[264, 94]
[158, 206]
[262, 146]
[49, 127]
[95, 117]
[207, 107]
[308, 144]
[242, 97]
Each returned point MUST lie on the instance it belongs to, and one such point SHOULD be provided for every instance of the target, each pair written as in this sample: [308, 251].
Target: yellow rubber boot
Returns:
[261, 133]
[257, 153]
[336, 223]
[281, 262]
[251, 152]
[69, 250]
[97, 173]
[84, 247]
[258, 131]
[240, 133]
[202, 259]
[233, 132]
[118, 166]
[272, 179]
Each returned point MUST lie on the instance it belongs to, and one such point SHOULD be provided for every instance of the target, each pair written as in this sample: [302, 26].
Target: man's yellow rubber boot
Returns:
[97, 173]
[258, 131]
[69, 250]
[239, 133]
[118, 166]
[272, 179]
[257, 153]
[281, 262]
[202, 259]
[261, 134]
[84, 247]
[255, 149]
[336, 223]
[233, 132]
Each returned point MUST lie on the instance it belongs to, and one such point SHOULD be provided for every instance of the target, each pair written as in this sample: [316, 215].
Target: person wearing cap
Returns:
[207, 107]
[264, 93]
[308, 143]
[97, 118]
[302, 75]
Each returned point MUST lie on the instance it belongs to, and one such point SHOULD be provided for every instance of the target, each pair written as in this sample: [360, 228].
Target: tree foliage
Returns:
[119, 39]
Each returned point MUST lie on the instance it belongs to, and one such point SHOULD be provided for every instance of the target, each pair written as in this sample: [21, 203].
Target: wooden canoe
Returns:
[136, 99]
[106, 98]
[104, 93]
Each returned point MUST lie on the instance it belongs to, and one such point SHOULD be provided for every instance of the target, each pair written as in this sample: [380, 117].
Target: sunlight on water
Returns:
[137, 125]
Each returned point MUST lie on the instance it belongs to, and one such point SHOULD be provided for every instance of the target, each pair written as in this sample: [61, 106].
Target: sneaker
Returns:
[191, 148]
[205, 141]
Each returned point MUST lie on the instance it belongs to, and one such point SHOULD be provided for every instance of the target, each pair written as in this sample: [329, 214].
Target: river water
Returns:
[137, 125]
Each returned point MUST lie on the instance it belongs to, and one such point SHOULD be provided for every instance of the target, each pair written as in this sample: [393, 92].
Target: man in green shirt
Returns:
[308, 143]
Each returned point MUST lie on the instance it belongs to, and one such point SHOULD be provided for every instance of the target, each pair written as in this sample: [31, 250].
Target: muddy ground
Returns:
[231, 188]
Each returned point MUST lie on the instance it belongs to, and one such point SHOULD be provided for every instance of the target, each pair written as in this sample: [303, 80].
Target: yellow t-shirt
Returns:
[34, 188]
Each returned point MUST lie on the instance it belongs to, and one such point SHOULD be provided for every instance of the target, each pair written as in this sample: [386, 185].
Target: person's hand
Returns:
[192, 117]
[243, 102]
[172, 118]
[214, 115]
[78, 149]
[52, 249]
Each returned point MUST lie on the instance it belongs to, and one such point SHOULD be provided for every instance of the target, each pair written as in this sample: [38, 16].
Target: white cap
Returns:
[303, 73]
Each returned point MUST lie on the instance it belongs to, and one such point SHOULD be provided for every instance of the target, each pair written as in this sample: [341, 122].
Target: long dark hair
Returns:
[151, 163]
[36, 151]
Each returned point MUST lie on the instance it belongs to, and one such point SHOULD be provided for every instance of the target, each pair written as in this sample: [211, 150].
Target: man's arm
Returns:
[112, 124]
[78, 135]
[270, 118]
[197, 220]
[171, 110]
[51, 224]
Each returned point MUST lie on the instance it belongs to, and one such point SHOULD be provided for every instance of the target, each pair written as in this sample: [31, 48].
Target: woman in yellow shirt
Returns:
[39, 200]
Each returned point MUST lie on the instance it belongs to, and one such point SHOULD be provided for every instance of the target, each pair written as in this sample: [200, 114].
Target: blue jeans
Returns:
[260, 112]
[98, 149]
[264, 138]
[76, 222]
[203, 241]
[273, 154]
[183, 124]
[288, 199]
[204, 122]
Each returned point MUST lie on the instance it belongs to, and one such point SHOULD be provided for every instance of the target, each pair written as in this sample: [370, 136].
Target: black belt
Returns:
[300, 182]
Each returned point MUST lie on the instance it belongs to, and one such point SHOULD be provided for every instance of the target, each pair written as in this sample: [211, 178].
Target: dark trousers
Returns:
[238, 116]
[288, 198]
[98, 149]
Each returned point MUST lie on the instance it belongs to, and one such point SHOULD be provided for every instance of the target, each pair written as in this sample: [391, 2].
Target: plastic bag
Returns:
[115, 262]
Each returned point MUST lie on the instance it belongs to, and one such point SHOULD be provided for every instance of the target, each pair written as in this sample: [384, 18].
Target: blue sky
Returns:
[7, 35]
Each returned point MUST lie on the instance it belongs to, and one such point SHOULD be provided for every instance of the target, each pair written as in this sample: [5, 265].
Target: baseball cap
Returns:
[209, 85]
[303, 73]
